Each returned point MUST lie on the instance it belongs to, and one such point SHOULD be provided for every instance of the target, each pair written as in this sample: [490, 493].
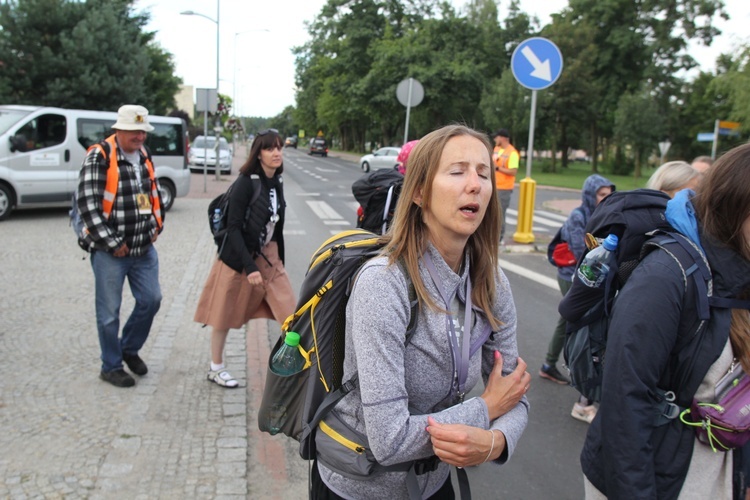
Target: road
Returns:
[69, 435]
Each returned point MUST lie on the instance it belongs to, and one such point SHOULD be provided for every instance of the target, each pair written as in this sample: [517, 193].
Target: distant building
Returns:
[185, 100]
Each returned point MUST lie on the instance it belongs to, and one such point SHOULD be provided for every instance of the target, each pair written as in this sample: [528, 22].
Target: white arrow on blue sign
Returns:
[536, 63]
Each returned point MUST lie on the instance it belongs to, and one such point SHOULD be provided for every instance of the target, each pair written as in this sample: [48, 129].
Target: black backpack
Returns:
[218, 227]
[305, 399]
[320, 322]
[377, 194]
[636, 217]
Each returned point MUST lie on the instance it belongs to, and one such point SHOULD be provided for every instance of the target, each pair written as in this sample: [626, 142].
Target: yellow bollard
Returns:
[526, 201]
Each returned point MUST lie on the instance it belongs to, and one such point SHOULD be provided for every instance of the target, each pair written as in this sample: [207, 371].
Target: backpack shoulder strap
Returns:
[692, 262]
[332, 399]
[255, 179]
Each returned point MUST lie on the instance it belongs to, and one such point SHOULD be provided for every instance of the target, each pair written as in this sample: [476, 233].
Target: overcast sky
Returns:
[264, 32]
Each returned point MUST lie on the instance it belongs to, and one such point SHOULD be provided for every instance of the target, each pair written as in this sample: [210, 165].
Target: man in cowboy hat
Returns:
[120, 206]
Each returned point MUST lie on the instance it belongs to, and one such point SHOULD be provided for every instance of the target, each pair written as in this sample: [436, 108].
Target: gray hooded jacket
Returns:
[400, 386]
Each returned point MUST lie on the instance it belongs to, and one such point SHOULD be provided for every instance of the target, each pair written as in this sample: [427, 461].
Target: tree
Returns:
[639, 123]
[90, 55]
[639, 42]
[734, 85]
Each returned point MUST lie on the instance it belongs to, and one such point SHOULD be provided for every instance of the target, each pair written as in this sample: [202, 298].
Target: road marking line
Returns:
[525, 273]
[294, 232]
[337, 223]
[323, 210]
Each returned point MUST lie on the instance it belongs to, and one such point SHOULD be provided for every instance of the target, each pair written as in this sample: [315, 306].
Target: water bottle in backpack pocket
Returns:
[287, 361]
[597, 263]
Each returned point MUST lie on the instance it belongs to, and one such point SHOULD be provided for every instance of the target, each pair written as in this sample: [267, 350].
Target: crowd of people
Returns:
[444, 242]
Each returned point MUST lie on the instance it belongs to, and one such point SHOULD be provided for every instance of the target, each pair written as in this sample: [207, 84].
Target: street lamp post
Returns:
[218, 118]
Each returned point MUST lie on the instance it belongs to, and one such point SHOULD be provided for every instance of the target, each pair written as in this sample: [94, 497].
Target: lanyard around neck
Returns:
[460, 363]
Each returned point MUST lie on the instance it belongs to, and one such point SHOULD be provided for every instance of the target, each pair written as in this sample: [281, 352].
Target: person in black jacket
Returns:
[248, 280]
[657, 343]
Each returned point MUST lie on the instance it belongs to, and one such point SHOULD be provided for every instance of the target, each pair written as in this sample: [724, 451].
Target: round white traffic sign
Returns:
[410, 92]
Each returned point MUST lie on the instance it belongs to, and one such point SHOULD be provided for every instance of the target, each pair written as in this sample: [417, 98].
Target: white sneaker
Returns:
[583, 413]
[222, 378]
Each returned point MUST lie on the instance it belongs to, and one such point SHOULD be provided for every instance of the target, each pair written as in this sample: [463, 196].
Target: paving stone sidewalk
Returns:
[66, 434]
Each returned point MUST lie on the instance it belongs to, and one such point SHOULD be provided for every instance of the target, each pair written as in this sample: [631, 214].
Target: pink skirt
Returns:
[229, 301]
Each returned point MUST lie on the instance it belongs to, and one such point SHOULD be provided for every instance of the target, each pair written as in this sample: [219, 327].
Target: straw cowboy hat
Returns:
[132, 117]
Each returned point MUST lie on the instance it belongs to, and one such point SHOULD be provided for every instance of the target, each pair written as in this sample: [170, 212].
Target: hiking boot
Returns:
[118, 378]
[550, 372]
[583, 413]
[135, 363]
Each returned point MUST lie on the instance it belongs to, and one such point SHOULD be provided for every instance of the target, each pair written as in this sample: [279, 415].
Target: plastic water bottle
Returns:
[595, 266]
[287, 361]
[216, 220]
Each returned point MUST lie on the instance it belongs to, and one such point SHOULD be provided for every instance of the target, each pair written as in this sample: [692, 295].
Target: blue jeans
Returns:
[109, 277]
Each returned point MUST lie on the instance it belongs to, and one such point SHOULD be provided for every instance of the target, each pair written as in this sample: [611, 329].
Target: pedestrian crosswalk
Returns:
[544, 222]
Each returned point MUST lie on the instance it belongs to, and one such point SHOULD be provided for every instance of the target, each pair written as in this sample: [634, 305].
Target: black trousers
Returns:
[319, 490]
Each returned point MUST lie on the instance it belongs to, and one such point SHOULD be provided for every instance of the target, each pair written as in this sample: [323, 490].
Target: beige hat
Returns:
[132, 117]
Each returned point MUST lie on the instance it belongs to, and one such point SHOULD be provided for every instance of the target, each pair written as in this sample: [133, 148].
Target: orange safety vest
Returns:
[502, 180]
[113, 179]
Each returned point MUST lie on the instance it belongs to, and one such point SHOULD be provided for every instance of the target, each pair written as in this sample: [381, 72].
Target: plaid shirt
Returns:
[125, 225]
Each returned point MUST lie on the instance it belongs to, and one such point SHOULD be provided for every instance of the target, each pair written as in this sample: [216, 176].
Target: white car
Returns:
[381, 158]
[207, 145]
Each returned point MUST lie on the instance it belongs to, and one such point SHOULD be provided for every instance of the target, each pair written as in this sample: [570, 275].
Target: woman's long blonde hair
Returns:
[407, 239]
[722, 205]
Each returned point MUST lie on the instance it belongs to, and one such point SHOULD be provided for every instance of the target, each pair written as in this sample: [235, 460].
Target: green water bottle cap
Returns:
[291, 339]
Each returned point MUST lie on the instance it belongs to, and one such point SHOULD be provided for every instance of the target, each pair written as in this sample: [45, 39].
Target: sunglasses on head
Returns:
[267, 131]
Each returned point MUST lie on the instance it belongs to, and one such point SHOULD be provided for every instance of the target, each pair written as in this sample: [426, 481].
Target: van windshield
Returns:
[8, 117]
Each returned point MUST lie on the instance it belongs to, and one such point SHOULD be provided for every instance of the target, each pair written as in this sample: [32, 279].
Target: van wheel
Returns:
[167, 191]
[6, 201]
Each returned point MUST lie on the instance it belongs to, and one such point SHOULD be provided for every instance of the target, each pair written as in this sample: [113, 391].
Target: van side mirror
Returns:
[18, 143]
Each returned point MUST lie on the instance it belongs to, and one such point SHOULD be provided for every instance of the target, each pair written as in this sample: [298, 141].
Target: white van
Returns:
[42, 150]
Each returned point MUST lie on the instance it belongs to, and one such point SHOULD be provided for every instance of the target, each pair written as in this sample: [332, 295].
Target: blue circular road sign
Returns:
[536, 63]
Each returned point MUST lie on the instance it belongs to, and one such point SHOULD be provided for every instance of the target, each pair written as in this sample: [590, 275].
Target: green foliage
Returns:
[90, 55]
[361, 49]
[284, 123]
[639, 124]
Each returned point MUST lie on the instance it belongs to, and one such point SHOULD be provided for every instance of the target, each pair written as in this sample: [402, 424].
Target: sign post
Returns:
[663, 148]
[536, 64]
[722, 127]
[409, 93]
[206, 100]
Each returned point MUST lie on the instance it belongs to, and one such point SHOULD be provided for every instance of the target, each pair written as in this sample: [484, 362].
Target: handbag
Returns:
[558, 252]
[724, 425]
[562, 256]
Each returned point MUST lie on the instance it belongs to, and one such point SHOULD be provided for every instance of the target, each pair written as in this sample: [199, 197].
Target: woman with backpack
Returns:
[661, 356]
[410, 406]
[248, 279]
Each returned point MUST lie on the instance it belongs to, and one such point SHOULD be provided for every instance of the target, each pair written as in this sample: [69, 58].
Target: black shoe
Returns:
[118, 378]
[135, 363]
[550, 372]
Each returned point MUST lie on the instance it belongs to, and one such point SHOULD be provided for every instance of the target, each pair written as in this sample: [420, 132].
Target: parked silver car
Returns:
[207, 145]
[381, 158]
